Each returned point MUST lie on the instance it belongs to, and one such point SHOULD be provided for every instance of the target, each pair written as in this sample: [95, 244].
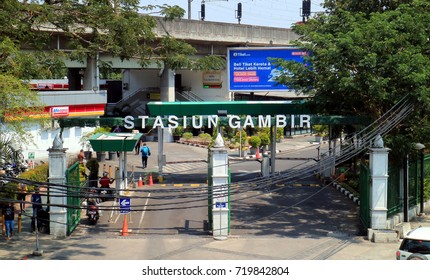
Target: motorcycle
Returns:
[92, 212]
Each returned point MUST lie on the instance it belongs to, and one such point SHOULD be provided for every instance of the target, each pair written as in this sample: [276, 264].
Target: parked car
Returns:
[415, 245]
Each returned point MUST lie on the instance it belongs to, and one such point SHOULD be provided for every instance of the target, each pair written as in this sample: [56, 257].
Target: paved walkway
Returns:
[26, 245]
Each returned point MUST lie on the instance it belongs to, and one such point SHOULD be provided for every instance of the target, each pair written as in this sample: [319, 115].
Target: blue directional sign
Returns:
[250, 69]
[220, 204]
[124, 205]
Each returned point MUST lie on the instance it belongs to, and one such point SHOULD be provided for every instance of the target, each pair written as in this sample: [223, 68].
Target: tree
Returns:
[92, 27]
[115, 27]
[364, 56]
[19, 103]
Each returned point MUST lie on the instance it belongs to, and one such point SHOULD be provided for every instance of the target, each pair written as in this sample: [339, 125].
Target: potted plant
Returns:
[177, 133]
[244, 151]
[255, 143]
[320, 132]
[265, 140]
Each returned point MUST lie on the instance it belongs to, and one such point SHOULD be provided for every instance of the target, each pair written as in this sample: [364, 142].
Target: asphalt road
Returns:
[259, 207]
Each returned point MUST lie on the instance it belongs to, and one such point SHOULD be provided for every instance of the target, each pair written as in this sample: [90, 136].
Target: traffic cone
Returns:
[124, 231]
[257, 155]
[140, 182]
[150, 180]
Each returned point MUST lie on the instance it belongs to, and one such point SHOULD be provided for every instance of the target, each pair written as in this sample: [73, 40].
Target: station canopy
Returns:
[114, 142]
[239, 108]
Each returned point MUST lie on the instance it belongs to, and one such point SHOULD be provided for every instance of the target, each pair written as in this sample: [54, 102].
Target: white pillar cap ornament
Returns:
[219, 142]
[58, 143]
[378, 142]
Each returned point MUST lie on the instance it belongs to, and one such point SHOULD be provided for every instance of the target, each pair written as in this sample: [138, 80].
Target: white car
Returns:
[415, 245]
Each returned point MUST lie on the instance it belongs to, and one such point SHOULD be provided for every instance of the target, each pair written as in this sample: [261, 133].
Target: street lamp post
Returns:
[406, 189]
[421, 147]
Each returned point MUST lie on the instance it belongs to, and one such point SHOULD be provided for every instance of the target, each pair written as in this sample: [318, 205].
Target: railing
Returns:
[74, 182]
[188, 96]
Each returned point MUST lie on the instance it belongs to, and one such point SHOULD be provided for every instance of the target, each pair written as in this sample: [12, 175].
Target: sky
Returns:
[273, 13]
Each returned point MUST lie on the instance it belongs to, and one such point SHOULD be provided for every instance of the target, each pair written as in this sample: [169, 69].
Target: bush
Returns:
[265, 139]
[237, 137]
[178, 131]
[254, 141]
[39, 174]
[187, 135]
[205, 137]
[426, 189]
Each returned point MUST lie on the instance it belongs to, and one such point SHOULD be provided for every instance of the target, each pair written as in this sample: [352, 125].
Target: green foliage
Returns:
[8, 150]
[92, 27]
[426, 189]
[18, 101]
[279, 133]
[205, 137]
[187, 135]
[93, 167]
[254, 141]
[265, 139]
[320, 130]
[238, 137]
[365, 57]
[178, 131]
[38, 174]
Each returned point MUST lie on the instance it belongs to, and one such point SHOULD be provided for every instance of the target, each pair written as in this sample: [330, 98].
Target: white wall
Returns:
[194, 80]
[43, 139]
[140, 78]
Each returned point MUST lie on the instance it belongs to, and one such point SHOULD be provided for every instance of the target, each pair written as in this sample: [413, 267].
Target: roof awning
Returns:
[114, 142]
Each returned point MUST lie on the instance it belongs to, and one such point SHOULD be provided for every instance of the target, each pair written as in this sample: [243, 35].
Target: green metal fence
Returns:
[73, 181]
[364, 185]
[394, 201]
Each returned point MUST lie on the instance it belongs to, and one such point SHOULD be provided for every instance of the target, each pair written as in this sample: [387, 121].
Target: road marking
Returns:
[144, 211]
[246, 172]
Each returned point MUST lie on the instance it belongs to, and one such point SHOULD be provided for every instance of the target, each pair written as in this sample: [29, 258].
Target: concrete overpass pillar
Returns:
[167, 85]
[91, 74]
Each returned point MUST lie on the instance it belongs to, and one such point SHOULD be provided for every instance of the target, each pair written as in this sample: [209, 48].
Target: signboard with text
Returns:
[59, 111]
[250, 69]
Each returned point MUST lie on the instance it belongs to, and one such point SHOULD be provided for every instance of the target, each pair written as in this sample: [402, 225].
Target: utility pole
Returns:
[239, 12]
[189, 9]
[202, 10]
[306, 9]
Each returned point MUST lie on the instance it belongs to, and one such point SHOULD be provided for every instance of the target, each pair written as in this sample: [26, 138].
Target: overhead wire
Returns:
[387, 122]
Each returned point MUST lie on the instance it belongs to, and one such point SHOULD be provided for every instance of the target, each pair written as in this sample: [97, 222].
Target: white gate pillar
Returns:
[218, 162]
[58, 195]
[379, 184]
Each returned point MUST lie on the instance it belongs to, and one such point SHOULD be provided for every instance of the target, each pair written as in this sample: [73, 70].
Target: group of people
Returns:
[9, 210]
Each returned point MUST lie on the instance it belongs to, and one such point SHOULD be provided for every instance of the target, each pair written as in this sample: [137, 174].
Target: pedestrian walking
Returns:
[138, 145]
[36, 201]
[9, 217]
[145, 153]
[22, 194]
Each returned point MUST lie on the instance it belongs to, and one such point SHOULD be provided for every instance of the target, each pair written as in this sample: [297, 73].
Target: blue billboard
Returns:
[249, 69]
